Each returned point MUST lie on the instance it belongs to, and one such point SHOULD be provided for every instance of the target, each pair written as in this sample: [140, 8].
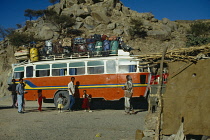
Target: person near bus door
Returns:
[71, 88]
[20, 95]
[12, 88]
[128, 92]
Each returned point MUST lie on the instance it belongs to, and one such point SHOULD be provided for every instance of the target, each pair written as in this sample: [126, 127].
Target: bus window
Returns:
[95, 67]
[59, 69]
[111, 66]
[29, 71]
[42, 70]
[19, 72]
[77, 68]
[126, 66]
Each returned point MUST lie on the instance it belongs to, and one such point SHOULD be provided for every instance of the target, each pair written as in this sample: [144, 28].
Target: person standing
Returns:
[71, 88]
[20, 95]
[60, 103]
[128, 92]
[86, 102]
[12, 88]
[40, 99]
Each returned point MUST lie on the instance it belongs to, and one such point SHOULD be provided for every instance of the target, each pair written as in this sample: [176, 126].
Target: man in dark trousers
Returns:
[12, 88]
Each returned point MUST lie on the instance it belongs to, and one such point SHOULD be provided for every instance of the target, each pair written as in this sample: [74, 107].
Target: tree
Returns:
[19, 39]
[137, 29]
[61, 22]
[29, 13]
[4, 32]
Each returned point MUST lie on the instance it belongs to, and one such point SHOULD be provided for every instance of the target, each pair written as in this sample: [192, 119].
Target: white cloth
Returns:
[72, 87]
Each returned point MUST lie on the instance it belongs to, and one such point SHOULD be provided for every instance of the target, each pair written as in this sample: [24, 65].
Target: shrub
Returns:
[18, 39]
[137, 29]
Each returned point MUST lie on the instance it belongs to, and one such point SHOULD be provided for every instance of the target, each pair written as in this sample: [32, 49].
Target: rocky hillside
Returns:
[111, 17]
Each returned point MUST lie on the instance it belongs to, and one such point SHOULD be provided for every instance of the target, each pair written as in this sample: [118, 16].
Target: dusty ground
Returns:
[112, 124]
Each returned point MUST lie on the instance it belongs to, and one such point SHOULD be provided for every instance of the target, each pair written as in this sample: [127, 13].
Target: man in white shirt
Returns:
[71, 89]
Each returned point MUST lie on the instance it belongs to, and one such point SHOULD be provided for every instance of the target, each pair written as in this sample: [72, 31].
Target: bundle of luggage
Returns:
[95, 45]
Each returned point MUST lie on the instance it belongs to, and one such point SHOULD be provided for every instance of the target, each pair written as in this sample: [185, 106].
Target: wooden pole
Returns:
[159, 109]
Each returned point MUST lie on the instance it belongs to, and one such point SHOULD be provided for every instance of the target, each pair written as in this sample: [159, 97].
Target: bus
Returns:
[101, 77]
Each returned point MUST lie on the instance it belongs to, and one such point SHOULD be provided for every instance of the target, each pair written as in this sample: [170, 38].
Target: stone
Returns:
[45, 33]
[118, 6]
[166, 28]
[126, 11]
[154, 20]
[111, 26]
[79, 19]
[149, 133]
[100, 16]
[89, 27]
[165, 20]
[118, 31]
[78, 25]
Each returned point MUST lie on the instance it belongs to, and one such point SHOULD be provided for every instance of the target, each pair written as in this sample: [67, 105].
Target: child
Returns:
[60, 103]
[40, 99]
[85, 103]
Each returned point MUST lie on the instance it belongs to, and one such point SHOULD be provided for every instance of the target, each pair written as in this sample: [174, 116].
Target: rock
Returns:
[90, 21]
[148, 16]
[89, 27]
[68, 12]
[81, 13]
[172, 25]
[79, 19]
[45, 33]
[126, 11]
[118, 31]
[57, 8]
[118, 6]
[100, 16]
[149, 133]
[154, 20]
[111, 26]
[166, 28]
[78, 25]
[165, 20]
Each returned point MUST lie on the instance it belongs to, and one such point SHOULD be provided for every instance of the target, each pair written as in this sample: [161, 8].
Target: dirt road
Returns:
[110, 124]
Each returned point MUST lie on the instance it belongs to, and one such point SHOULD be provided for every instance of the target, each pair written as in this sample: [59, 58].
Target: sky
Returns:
[12, 11]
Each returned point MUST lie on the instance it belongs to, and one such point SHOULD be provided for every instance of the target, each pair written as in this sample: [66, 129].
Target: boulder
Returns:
[111, 26]
[89, 27]
[126, 11]
[81, 13]
[90, 21]
[118, 6]
[68, 11]
[79, 19]
[118, 31]
[45, 33]
[166, 28]
[154, 20]
[78, 25]
[100, 16]
[165, 21]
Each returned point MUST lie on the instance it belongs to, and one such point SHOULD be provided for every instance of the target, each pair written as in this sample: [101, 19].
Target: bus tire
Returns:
[66, 98]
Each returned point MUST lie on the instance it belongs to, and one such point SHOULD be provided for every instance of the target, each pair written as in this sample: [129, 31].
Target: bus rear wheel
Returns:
[66, 99]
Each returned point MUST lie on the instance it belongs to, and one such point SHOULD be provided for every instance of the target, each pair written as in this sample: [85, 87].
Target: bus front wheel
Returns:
[66, 99]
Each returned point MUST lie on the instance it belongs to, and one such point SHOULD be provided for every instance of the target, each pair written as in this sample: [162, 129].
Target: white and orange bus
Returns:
[101, 77]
